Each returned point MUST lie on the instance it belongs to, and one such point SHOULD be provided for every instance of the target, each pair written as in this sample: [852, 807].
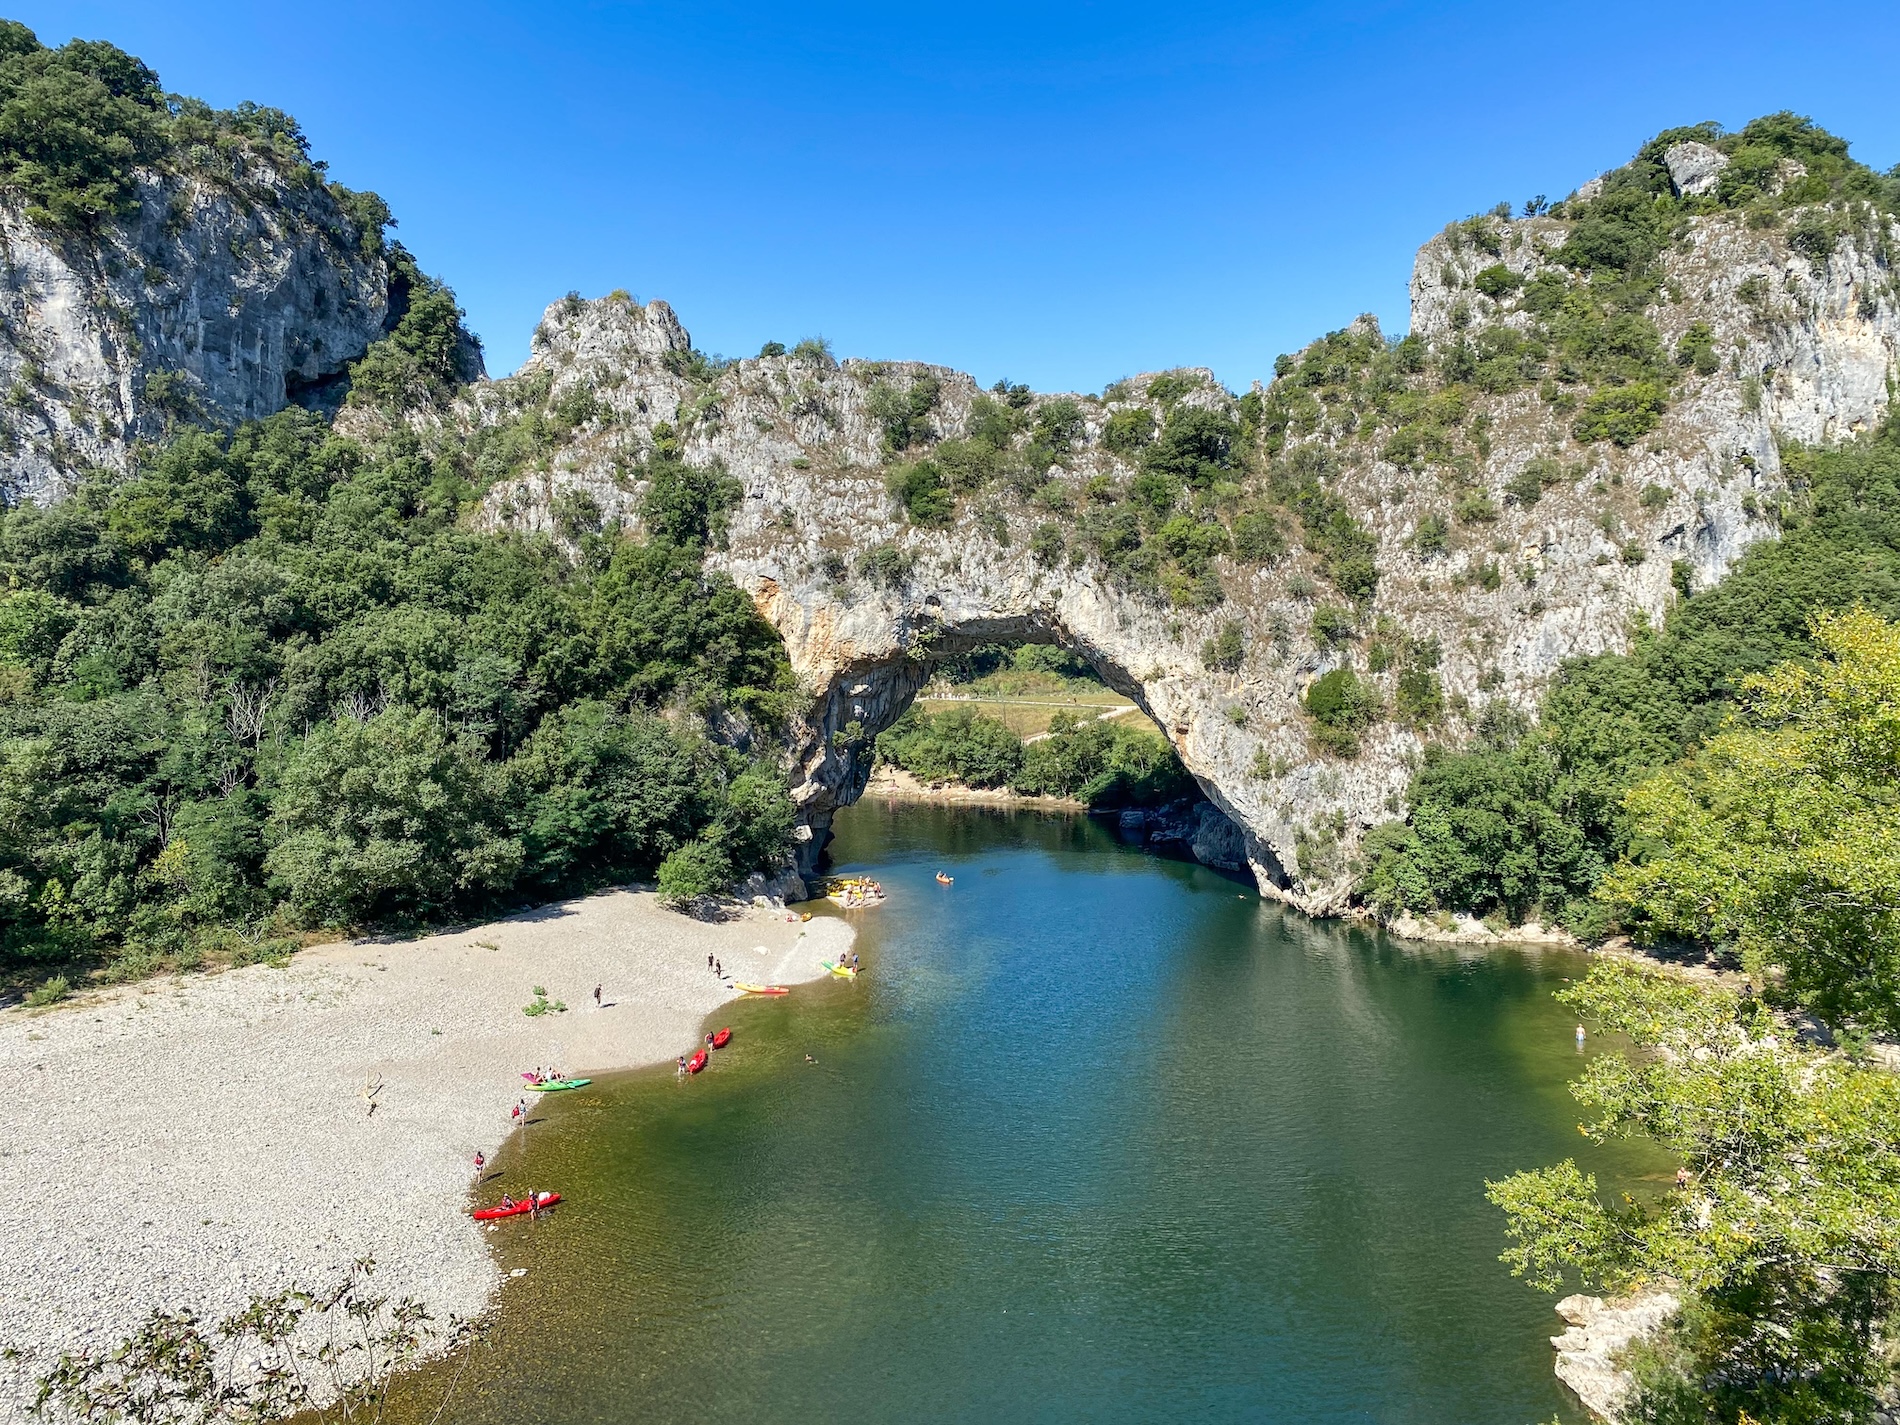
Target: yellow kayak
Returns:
[842, 971]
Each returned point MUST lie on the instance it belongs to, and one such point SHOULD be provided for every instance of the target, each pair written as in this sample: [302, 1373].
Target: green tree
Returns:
[1341, 706]
[1781, 834]
[386, 819]
[1783, 1241]
[75, 124]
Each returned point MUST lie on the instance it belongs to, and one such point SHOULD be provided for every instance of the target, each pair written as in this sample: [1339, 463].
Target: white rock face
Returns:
[1598, 1331]
[1694, 168]
[238, 298]
[1806, 347]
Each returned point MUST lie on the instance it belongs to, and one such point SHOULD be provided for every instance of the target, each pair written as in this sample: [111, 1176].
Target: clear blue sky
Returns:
[1060, 194]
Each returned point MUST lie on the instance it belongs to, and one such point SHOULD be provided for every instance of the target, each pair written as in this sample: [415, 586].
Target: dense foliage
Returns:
[1102, 764]
[1782, 834]
[274, 683]
[1782, 1236]
[1782, 1239]
[77, 122]
[1529, 820]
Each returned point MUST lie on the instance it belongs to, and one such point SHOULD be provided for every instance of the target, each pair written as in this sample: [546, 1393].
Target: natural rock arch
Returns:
[833, 750]
[863, 595]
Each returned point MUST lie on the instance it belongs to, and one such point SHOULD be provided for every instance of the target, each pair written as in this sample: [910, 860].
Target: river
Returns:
[1096, 1137]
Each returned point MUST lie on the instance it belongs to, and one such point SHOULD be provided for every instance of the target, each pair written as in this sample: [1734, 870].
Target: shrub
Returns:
[1620, 414]
[1058, 424]
[1432, 535]
[1524, 488]
[1341, 706]
[1815, 235]
[693, 872]
[886, 566]
[772, 348]
[1225, 650]
[1129, 431]
[1420, 699]
[1654, 497]
[1195, 446]
[1697, 349]
[904, 415]
[967, 465]
[51, 991]
[1497, 281]
[1258, 538]
[1332, 625]
[919, 487]
[1474, 507]
[1046, 545]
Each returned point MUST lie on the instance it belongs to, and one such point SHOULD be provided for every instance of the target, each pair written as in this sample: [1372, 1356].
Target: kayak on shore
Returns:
[556, 1085]
[722, 1039]
[541, 1201]
[844, 972]
[697, 1062]
[760, 989]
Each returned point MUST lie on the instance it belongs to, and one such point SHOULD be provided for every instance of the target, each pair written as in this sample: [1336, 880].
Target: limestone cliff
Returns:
[216, 300]
[1501, 581]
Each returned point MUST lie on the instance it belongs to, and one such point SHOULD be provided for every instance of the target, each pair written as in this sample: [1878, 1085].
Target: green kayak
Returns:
[556, 1085]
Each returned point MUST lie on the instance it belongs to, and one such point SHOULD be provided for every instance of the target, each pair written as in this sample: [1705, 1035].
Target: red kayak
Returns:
[722, 1039]
[520, 1209]
[697, 1062]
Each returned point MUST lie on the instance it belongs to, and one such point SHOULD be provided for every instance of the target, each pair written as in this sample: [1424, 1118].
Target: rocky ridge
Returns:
[866, 599]
[214, 301]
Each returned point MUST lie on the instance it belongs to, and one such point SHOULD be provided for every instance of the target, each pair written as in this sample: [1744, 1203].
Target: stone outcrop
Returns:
[868, 601]
[1694, 168]
[1588, 1353]
[214, 302]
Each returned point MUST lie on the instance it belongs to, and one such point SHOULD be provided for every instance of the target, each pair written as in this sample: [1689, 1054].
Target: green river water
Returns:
[1097, 1137]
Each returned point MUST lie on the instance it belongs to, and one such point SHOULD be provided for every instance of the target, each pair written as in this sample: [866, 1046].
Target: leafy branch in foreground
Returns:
[336, 1354]
[1785, 1240]
[1784, 836]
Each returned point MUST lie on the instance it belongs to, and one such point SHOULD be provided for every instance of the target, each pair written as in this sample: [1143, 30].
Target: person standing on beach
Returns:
[596, 996]
[480, 1163]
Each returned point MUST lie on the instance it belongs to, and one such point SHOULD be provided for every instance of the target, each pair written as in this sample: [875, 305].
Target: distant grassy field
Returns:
[1025, 702]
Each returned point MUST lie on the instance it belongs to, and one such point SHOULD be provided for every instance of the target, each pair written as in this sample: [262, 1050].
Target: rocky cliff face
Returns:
[866, 599]
[215, 302]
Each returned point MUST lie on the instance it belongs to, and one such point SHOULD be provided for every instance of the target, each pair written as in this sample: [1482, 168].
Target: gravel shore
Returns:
[192, 1142]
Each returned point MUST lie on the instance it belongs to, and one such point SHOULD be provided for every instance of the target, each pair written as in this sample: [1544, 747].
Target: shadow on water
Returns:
[1097, 1137]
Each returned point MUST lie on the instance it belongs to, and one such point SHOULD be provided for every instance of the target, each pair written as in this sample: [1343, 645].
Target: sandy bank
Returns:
[210, 1138]
[895, 784]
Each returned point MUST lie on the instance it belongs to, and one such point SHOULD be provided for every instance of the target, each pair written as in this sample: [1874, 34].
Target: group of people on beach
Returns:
[545, 1076]
[858, 893]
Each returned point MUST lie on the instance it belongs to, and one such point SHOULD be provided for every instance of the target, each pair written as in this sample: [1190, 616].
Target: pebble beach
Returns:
[193, 1142]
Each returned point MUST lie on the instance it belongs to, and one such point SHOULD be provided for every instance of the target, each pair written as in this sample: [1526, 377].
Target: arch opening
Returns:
[1094, 707]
